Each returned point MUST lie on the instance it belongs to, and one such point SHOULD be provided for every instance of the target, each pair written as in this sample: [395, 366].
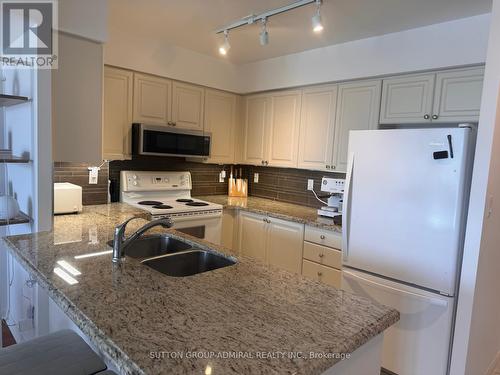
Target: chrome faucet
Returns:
[120, 242]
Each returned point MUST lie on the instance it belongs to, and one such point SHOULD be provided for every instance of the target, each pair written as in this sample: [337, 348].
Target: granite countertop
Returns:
[149, 323]
[272, 208]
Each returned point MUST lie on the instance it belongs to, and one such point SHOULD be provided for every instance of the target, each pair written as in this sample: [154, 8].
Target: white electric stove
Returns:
[168, 194]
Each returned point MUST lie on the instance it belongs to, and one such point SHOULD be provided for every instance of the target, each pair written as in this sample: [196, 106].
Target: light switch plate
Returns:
[256, 178]
[310, 184]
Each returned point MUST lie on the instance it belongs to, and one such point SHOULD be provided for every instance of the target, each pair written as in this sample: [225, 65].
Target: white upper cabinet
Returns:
[117, 124]
[187, 106]
[220, 121]
[449, 96]
[357, 109]
[255, 130]
[152, 99]
[407, 99]
[317, 127]
[283, 130]
[458, 95]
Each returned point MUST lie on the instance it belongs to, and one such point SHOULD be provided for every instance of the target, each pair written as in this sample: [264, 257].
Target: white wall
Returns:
[454, 43]
[155, 57]
[477, 336]
[86, 18]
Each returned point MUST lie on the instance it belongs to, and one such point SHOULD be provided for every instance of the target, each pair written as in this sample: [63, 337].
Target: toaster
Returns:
[67, 198]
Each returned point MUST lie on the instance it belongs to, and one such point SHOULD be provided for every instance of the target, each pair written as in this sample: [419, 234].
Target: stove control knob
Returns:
[134, 183]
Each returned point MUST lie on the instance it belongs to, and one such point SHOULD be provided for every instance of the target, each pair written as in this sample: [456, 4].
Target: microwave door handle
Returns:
[346, 214]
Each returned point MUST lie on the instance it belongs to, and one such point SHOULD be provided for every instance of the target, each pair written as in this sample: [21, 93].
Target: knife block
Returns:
[238, 187]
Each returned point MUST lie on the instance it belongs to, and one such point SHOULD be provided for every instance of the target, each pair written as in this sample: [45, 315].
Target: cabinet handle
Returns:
[333, 167]
[426, 117]
[267, 163]
[435, 117]
[321, 255]
[320, 274]
[322, 237]
[327, 167]
[262, 162]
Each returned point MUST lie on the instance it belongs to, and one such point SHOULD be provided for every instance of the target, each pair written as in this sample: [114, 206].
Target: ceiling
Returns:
[190, 24]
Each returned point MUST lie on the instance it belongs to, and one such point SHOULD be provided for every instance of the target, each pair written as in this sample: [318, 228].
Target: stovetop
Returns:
[167, 205]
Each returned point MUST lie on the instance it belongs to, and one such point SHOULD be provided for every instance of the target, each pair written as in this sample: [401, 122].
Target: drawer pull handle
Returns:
[321, 255]
[322, 237]
[320, 274]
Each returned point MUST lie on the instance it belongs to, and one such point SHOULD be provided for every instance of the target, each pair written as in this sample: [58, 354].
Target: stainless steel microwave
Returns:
[166, 141]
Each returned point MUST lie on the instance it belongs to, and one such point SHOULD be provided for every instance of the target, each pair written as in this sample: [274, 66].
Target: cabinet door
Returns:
[317, 127]
[254, 134]
[187, 106]
[458, 95]
[357, 109]
[284, 244]
[118, 92]
[407, 100]
[252, 235]
[152, 99]
[220, 121]
[283, 131]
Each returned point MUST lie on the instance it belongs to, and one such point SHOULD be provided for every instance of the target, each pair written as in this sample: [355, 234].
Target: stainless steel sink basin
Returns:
[188, 263]
[154, 245]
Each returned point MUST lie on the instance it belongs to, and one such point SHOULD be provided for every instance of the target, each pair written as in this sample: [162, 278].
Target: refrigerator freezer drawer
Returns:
[419, 343]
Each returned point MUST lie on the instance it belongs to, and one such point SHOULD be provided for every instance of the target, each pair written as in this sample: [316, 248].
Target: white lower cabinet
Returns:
[273, 241]
[322, 256]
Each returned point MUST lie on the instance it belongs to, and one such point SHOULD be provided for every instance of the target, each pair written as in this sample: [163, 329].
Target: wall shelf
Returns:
[10, 100]
[22, 218]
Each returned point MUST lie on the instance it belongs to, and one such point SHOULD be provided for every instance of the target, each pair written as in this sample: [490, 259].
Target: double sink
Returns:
[174, 257]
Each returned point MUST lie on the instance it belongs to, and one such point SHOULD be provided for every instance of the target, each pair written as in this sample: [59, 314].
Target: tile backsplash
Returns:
[78, 174]
[205, 177]
[286, 184]
[282, 184]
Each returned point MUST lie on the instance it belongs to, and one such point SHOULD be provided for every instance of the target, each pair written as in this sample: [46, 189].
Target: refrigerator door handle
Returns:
[346, 214]
[433, 301]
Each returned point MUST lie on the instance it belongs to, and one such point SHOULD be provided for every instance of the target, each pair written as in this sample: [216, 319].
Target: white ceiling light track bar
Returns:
[263, 18]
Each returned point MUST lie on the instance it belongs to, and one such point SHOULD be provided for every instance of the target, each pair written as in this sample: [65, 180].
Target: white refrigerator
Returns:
[405, 206]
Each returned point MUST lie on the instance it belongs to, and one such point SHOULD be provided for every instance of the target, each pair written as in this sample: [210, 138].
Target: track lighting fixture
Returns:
[316, 19]
[225, 46]
[264, 35]
[317, 25]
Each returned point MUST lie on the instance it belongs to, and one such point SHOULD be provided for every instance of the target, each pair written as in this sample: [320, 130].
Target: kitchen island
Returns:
[245, 318]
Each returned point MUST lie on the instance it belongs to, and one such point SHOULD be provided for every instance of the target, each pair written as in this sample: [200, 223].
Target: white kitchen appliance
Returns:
[168, 194]
[335, 189]
[405, 206]
[67, 198]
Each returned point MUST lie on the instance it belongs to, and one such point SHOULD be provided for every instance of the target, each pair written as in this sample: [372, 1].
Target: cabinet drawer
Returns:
[323, 274]
[324, 237]
[323, 255]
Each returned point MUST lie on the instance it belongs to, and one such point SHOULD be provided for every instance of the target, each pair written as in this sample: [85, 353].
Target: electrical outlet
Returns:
[222, 175]
[310, 184]
[93, 175]
[256, 178]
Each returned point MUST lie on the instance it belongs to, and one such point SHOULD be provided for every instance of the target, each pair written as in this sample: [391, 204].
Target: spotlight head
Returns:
[317, 25]
[264, 34]
[224, 48]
